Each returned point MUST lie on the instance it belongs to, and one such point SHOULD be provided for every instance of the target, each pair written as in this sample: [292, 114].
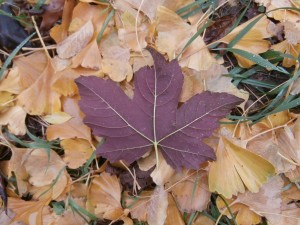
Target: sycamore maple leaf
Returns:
[131, 127]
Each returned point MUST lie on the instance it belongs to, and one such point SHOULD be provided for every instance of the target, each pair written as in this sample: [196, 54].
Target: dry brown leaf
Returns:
[57, 118]
[128, 38]
[252, 42]
[11, 82]
[141, 60]
[173, 214]
[73, 128]
[65, 84]
[115, 63]
[30, 68]
[104, 197]
[137, 205]
[157, 207]
[74, 43]
[60, 32]
[174, 33]
[190, 190]
[236, 165]
[266, 144]
[6, 100]
[89, 57]
[29, 212]
[244, 216]
[294, 175]
[14, 117]
[289, 141]
[77, 152]
[211, 79]
[287, 48]
[39, 98]
[46, 170]
[203, 220]
[84, 12]
[19, 170]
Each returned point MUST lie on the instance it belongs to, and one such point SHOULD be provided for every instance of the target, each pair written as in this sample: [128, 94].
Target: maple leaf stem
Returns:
[154, 116]
[156, 153]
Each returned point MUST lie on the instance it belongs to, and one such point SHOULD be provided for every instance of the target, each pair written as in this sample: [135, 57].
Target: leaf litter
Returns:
[129, 112]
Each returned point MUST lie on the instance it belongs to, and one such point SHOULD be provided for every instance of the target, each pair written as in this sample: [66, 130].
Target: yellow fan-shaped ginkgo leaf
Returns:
[28, 212]
[39, 98]
[77, 152]
[237, 167]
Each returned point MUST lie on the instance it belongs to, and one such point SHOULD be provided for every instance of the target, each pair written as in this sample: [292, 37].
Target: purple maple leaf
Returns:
[132, 127]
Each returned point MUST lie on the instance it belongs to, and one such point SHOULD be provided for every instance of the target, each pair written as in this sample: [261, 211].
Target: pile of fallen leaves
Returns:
[115, 113]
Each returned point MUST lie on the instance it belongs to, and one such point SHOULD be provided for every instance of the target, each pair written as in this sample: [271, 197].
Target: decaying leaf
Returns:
[132, 127]
[76, 41]
[157, 207]
[190, 190]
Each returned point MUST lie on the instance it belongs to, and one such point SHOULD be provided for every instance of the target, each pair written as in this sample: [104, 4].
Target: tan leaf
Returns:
[203, 220]
[252, 42]
[44, 169]
[244, 216]
[39, 98]
[89, 57]
[174, 33]
[294, 175]
[173, 214]
[211, 79]
[31, 67]
[10, 83]
[6, 100]
[84, 12]
[29, 212]
[65, 84]
[77, 152]
[266, 200]
[60, 32]
[73, 128]
[104, 196]
[190, 190]
[14, 117]
[74, 43]
[287, 48]
[115, 63]
[266, 144]
[57, 118]
[236, 165]
[137, 205]
[129, 39]
[18, 169]
[157, 207]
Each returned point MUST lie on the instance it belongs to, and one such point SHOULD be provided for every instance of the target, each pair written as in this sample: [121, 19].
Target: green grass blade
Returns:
[229, 210]
[255, 58]
[81, 211]
[105, 24]
[240, 35]
[12, 55]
